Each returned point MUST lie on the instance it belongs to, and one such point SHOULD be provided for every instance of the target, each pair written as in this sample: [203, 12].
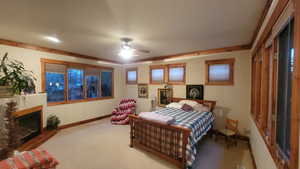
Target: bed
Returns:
[176, 142]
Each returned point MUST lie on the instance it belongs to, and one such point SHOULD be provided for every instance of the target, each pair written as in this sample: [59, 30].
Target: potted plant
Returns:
[52, 122]
[14, 78]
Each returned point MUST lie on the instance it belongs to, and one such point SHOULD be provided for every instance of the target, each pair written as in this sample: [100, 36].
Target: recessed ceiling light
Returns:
[52, 39]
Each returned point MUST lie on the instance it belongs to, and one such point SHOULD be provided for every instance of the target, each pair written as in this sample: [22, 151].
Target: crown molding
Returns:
[261, 20]
[269, 23]
[67, 53]
[196, 53]
[54, 51]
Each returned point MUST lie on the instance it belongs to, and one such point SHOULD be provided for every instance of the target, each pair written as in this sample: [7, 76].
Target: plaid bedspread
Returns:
[198, 123]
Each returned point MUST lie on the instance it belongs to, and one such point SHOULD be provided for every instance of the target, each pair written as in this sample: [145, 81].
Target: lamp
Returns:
[153, 102]
[126, 52]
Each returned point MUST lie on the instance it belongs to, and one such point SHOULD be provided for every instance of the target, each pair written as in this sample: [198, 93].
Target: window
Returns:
[171, 74]
[106, 83]
[75, 84]
[92, 80]
[219, 72]
[285, 72]
[92, 86]
[176, 74]
[67, 82]
[131, 76]
[55, 82]
[157, 74]
[272, 97]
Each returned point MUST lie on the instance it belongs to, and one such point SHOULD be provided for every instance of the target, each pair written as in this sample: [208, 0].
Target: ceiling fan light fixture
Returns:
[126, 53]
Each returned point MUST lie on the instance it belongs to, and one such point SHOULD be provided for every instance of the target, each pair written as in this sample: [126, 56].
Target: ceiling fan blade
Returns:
[142, 50]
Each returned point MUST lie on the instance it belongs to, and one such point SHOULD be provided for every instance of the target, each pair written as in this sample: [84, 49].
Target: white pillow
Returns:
[201, 108]
[188, 102]
[174, 105]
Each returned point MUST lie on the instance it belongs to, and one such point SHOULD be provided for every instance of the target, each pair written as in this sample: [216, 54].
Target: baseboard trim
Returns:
[252, 155]
[82, 122]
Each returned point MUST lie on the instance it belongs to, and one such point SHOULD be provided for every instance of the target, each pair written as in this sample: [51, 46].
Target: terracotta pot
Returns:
[6, 92]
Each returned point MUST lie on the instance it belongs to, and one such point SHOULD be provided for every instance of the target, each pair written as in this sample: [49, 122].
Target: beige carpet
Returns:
[100, 145]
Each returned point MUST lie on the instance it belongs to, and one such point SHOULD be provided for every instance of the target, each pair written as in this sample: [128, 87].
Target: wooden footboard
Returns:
[166, 141]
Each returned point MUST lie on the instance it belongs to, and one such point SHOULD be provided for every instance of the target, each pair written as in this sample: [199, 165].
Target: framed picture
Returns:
[164, 96]
[194, 92]
[142, 90]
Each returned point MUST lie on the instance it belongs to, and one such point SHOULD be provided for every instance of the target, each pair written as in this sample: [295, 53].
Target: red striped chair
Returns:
[35, 159]
[120, 113]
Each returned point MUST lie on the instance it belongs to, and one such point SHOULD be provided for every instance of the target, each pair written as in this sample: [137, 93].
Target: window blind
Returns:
[157, 75]
[219, 72]
[132, 75]
[176, 74]
[55, 68]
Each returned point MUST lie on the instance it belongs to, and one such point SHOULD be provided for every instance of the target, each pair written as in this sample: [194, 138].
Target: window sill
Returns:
[78, 101]
[157, 83]
[176, 83]
[220, 83]
[131, 83]
[273, 150]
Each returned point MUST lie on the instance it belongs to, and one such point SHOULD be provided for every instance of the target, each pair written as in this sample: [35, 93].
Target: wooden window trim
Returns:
[253, 71]
[178, 65]
[229, 61]
[153, 67]
[258, 87]
[280, 160]
[295, 107]
[137, 73]
[73, 65]
[166, 69]
[264, 104]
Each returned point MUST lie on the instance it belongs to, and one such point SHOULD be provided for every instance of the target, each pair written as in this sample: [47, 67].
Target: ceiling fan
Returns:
[127, 51]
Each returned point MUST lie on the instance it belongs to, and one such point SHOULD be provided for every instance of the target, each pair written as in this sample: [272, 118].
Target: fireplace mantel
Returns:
[28, 111]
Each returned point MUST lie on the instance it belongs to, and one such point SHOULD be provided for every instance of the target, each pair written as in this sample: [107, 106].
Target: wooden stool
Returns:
[230, 131]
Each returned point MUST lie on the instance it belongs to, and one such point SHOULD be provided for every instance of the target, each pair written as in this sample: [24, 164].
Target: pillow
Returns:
[174, 105]
[201, 108]
[189, 102]
[187, 107]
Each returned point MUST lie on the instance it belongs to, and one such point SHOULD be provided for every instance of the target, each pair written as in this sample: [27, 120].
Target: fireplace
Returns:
[30, 123]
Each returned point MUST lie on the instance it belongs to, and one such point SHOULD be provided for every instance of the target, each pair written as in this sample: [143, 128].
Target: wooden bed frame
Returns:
[166, 141]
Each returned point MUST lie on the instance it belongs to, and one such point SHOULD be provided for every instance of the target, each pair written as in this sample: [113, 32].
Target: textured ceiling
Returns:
[165, 27]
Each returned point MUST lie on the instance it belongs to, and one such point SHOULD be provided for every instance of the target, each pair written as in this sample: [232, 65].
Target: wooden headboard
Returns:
[209, 103]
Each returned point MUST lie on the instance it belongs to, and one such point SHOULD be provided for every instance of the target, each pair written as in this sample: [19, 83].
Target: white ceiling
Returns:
[165, 27]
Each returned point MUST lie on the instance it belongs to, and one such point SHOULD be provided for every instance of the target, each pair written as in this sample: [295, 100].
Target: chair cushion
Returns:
[227, 132]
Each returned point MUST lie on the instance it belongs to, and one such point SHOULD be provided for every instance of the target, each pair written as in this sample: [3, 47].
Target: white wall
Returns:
[69, 113]
[234, 100]
[262, 156]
